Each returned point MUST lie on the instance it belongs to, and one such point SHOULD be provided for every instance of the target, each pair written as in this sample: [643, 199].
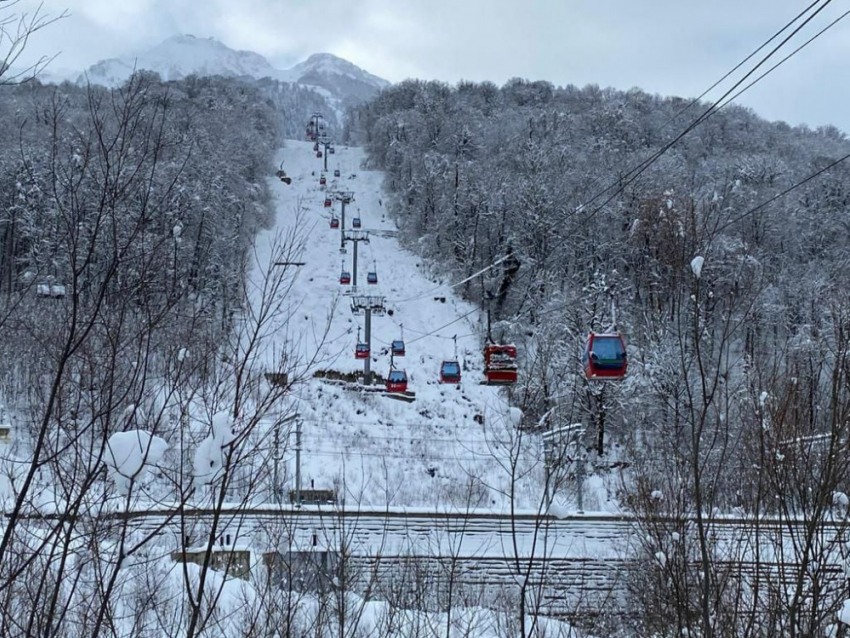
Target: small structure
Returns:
[314, 496]
[233, 561]
[312, 569]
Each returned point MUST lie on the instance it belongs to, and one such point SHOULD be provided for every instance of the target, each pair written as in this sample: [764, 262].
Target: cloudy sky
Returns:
[664, 46]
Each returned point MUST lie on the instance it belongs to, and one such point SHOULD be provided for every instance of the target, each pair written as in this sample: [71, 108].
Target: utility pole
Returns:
[355, 236]
[368, 304]
[344, 197]
[298, 463]
[276, 455]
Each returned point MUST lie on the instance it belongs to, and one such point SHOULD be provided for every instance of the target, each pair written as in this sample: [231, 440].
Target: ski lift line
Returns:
[789, 56]
[419, 332]
[769, 201]
[427, 293]
[444, 326]
[638, 170]
[630, 176]
[741, 63]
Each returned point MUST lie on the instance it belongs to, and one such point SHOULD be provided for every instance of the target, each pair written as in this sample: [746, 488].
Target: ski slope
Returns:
[448, 448]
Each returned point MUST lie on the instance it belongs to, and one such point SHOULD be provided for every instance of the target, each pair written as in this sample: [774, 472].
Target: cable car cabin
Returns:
[323, 181]
[328, 202]
[397, 348]
[345, 278]
[371, 277]
[318, 153]
[334, 222]
[336, 172]
[397, 381]
[450, 372]
[331, 150]
[355, 223]
[500, 364]
[605, 356]
[316, 146]
[361, 351]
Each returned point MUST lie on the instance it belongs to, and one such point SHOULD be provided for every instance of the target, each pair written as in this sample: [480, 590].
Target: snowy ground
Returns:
[388, 452]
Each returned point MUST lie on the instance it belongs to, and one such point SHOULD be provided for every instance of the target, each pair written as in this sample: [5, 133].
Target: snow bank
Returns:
[129, 453]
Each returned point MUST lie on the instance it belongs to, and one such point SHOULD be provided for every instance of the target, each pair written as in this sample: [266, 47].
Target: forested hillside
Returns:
[539, 177]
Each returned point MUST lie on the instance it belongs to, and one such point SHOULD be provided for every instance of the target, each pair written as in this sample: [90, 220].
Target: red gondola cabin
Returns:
[345, 278]
[450, 372]
[334, 222]
[328, 203]
[397, 381]
[361, 351]
[605, 356]
[500, 364]
[371, 278]
[323, 181]
[318, 153]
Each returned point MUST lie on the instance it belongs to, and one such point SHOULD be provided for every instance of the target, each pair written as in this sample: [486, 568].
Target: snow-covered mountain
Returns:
[183, 55]
[179, 56]
[339, 77]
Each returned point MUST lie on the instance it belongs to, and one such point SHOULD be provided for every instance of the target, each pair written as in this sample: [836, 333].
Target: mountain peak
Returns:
[185, 54]
[321, 68]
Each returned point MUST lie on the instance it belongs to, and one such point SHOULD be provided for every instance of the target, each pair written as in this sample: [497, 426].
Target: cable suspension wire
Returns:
[641, 167]
[452, 286]
[788, 57]
[741, 63]
[794, 187]
[443, 326]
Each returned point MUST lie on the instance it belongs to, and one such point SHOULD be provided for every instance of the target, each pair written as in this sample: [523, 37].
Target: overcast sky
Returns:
[663, 46]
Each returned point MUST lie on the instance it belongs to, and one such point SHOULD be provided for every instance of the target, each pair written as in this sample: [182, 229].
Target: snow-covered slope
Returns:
[448, 447]
[342, 79]
[179, 56]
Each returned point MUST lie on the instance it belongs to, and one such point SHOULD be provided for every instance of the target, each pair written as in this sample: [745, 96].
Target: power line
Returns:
[789, 56]
[455, 285]
[643, 166]
[443, 326]
[755, 209]
[638, 170]
[741, 63]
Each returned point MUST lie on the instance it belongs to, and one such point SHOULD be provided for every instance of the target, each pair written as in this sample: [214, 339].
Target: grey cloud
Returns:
[665, 46]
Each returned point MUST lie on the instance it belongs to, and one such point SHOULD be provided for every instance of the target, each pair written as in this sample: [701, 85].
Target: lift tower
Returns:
[355, 237]
[368, 305]
[343, 197]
